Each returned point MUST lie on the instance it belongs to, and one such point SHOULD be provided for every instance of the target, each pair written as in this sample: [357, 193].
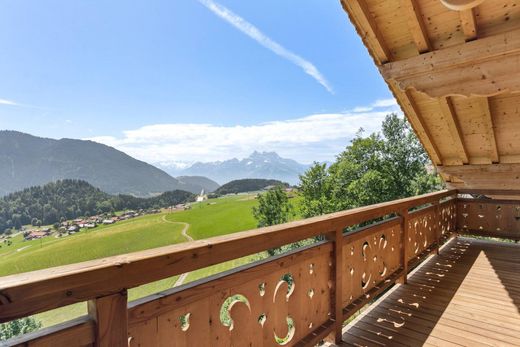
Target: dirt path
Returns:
[184, 233]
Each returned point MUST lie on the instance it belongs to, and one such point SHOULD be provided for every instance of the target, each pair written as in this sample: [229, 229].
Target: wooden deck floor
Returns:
[469, 295]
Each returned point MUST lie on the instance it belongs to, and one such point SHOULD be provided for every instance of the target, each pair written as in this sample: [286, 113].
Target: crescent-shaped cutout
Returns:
[461, 5]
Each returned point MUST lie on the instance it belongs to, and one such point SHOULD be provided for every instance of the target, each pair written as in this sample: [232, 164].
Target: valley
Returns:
[212, 217]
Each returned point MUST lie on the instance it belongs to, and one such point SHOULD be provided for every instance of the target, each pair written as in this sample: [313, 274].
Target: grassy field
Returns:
[218, 216]
[126, 236]
[210, 218]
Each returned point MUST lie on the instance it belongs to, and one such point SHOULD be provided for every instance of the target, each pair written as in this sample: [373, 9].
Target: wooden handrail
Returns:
[42, 290]
[103, 282]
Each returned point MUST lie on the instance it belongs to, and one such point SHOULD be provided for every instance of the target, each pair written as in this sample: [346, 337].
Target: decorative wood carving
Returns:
[461, 5]
[498, 218]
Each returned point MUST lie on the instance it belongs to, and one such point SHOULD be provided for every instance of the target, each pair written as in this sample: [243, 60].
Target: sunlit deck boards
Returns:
[469, 296]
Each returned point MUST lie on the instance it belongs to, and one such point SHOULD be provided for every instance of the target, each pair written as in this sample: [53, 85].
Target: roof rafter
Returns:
[368, 29]
[484, 102]
[416, 25]
[450, 116]
[469, 24]
[424, 127]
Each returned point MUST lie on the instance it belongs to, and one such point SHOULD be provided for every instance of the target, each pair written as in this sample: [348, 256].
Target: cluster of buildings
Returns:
[37, 234]
[74, 226]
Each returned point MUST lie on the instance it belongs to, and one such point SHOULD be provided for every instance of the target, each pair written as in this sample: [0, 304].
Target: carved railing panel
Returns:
[500, 218]
[273, 304]
[370, 257]
[421, 231]
[448, 217]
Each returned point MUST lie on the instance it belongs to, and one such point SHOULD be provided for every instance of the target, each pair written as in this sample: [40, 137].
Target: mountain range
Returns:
[27, 160]
[267, 165]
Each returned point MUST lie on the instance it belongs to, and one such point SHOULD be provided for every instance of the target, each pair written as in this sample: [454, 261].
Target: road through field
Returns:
[184, 233]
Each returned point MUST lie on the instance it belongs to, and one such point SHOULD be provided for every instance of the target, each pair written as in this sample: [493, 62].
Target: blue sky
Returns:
[180, 81]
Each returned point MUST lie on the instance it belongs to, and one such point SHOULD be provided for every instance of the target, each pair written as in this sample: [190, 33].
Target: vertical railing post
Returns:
[437, 225]
[111, 317]
[404, 244]
[337, 298]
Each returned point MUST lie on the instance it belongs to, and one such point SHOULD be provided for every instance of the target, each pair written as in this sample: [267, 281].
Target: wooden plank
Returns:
[506, 192]
[416, 25]
[111, 320]
[452, 121]
[484, 67]
[367, 28]
[466, 296]
[151, 306]
[493, 176]
[370, 229]
[78, 332]
[338, 284]
[469, 24]
[417, 124]
[42, 290]
[490, 127]
[404, 218]
[417, 111]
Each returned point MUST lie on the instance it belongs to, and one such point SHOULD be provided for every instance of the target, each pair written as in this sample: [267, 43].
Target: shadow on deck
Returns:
[469, 295]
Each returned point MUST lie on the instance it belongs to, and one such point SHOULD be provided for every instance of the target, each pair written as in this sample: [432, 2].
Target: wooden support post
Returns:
[404, 245]
[437, 226]
[111, 317]
[338, 279]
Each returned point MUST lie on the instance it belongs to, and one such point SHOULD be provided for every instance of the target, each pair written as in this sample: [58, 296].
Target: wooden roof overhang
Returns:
[454, 67]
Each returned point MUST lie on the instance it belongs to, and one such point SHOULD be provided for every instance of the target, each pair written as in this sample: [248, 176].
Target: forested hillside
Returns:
[27, 161]
[247, 185]
[70, 199]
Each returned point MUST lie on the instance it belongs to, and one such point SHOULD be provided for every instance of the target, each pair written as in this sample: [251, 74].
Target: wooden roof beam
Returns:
[484, 67]
[450, 116]
[411, 102]
[490, 128]
[469, 24]
[487, 176]
[367, 28]
[416, 25]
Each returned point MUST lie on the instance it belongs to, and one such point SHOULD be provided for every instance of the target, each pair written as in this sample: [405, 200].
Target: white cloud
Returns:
[389, 104]
[8, 102]
[315, 137]
[385, 103]
[254, 33]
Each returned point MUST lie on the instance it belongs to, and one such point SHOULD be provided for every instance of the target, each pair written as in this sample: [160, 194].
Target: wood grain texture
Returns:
[484, 67]
[110, 315]
[262, 290]
[466, 296]
[75, 333]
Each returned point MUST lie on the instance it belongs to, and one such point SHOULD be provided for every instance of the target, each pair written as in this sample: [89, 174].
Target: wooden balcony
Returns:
[303, 297]
[467, 296]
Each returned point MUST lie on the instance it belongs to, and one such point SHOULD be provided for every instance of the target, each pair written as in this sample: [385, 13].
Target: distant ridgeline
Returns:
[247, 185]
[71, 199]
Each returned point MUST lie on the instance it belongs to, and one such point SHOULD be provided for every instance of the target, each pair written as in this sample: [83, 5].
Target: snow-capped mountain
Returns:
[268, 165]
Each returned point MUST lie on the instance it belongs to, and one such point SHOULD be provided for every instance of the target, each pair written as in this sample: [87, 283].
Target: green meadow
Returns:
[206, 219]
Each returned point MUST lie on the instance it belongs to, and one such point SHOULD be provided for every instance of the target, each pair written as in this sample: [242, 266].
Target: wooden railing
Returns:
[298, 298]
[495, 214]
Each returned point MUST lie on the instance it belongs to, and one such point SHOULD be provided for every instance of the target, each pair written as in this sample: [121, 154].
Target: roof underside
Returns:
[456, 75]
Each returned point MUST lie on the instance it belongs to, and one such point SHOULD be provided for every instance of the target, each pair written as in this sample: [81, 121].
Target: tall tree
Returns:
[375, 168]
[273, 208]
